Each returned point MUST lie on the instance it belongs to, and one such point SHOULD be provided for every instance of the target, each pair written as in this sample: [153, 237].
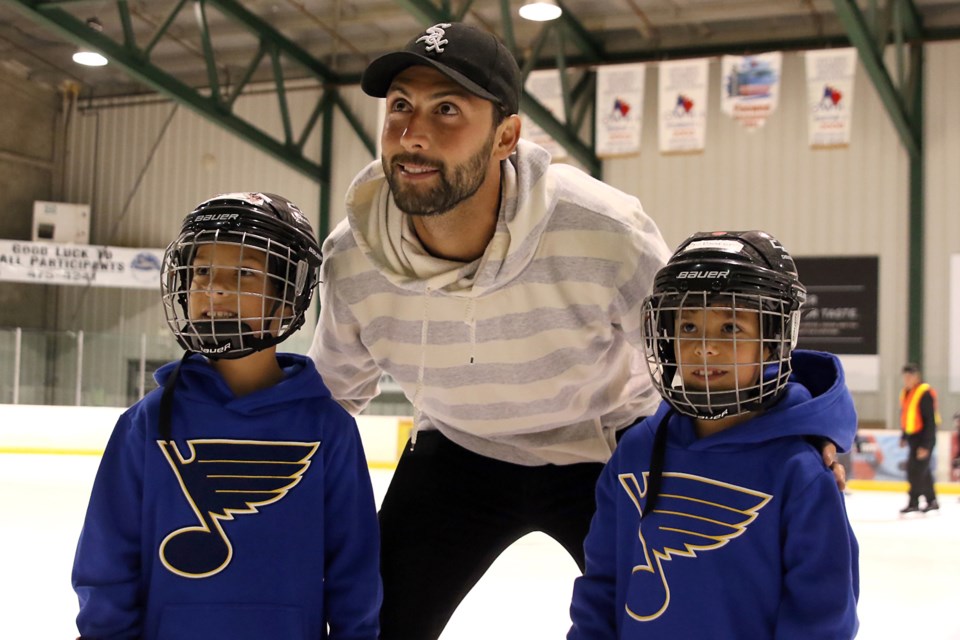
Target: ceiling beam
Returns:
[216, 107]
[265, 31]
[903, 101]
[871, 56]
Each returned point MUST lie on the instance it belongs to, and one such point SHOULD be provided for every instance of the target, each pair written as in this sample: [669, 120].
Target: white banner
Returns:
[830, 74]
[80, 264]
[750, 87]
[619, 109]
[545, 86]
[683, 105]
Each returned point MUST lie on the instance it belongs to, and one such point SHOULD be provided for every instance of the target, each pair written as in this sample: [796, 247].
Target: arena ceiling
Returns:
[206, 53]
[339, 37]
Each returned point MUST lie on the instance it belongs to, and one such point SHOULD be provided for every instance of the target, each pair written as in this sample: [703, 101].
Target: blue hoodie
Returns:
[257, 520]
[749, 537]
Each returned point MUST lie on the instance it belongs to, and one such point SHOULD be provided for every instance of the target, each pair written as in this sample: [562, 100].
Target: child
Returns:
[236, 501]
[716, 517]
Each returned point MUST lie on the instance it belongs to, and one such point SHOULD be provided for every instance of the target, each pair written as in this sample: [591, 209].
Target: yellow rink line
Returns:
[860, 485]
[50, 451]
[952, 488]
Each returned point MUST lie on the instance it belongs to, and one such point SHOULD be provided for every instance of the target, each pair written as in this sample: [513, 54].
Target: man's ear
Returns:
[506, 137]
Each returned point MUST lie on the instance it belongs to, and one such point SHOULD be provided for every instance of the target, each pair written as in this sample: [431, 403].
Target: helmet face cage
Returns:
[239, 278]
[710, 374]
[755, 369]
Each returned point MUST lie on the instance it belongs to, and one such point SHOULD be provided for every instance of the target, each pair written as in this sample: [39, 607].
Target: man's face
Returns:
[718, 348]
[437, 142]
[230, 282]
[910, 379]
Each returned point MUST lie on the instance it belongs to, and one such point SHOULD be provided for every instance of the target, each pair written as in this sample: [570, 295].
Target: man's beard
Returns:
[453, 189]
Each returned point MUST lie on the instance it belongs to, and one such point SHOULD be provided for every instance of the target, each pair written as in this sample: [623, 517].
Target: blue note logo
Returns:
[693, 515]
[221, 479]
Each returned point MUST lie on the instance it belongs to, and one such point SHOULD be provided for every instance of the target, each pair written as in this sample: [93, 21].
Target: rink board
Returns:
[31, 429]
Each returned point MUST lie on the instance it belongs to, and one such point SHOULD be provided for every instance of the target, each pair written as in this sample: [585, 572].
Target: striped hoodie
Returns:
[530, 354]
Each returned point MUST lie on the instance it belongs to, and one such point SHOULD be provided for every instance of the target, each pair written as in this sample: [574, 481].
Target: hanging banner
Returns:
[683, 105]
[80, 264]
[544, 85]
[750, 86]
[619, 109]
[830, 74]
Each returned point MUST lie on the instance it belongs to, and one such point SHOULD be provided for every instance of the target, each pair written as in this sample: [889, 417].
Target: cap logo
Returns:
[434, 37]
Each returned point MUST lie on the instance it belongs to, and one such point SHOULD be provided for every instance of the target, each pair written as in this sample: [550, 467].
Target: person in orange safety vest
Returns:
[919, 418]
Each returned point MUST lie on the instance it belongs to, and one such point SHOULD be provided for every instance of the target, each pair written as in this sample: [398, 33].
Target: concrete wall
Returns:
[31, 136]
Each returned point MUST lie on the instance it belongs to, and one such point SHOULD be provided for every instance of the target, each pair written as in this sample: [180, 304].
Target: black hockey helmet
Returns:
[261, 223]
[739, 270]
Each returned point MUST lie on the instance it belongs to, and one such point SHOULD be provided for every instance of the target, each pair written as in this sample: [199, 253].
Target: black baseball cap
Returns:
[474, 59]
[910, 367]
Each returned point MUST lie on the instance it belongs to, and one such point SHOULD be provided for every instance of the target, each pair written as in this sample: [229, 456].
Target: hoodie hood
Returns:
[198, 383]
[816, 403]
[386, 237]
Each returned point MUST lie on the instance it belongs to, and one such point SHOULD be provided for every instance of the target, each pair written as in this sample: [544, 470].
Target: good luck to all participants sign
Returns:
[78, 264]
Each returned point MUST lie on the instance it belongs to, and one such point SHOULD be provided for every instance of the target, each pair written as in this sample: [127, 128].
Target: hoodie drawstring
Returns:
[165, 418]
[471, 321]
[655, 479]
[418, 394]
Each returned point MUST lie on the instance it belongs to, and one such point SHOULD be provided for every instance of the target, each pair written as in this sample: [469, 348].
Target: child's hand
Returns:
[829, 453]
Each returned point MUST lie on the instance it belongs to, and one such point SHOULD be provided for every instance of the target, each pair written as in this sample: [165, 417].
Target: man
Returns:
[919, 418]
[502, 293]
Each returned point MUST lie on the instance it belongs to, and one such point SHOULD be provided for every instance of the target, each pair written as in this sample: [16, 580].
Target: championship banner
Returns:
[750, 87]
[80, 264]
[683, 105]
[544, 85]
[619, 109]
[830, 74]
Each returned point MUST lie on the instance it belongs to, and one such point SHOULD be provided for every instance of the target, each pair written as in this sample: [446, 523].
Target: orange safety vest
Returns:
[910, 419]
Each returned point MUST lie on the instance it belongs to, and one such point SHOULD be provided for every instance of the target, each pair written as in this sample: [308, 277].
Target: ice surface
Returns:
[910, 567]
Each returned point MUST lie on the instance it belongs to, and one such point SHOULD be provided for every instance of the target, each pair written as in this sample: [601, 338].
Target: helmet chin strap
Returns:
[714, 405]
[221, 339]
[709, 405]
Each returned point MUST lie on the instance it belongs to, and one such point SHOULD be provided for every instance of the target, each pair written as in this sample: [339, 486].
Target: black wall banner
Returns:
[842, 304]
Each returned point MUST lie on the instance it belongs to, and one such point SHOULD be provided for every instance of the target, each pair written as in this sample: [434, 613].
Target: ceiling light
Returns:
[89, 58]
[541, 11]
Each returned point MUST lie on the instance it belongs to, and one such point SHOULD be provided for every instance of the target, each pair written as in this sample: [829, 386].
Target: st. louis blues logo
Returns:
[220, 479]
[694, 514]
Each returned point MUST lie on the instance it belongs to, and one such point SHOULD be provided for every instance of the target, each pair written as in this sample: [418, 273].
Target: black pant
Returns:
[920, 477]
[449, 513]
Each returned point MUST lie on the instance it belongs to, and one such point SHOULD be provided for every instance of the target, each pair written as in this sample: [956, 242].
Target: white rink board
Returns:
[59, 429]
